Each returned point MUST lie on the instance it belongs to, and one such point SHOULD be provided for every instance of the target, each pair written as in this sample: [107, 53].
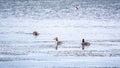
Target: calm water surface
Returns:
[95, 21]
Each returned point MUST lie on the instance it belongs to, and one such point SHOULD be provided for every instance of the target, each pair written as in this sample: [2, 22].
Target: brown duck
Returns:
[57, 42]
[35, 33]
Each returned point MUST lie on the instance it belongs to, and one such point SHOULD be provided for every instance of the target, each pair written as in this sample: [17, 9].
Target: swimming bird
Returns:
[57, 42]
[35, 33]
[85, 44]
[76, 8]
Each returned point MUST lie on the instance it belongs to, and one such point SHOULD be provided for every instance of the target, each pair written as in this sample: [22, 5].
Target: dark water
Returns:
[61, 9]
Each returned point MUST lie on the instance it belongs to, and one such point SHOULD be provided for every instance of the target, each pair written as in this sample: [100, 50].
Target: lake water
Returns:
[96, 21]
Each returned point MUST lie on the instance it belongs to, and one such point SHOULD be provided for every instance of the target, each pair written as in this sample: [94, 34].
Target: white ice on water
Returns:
[96, 21]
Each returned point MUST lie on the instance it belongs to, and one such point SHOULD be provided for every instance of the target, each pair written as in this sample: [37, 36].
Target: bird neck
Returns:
[83, 40]
[56, 39]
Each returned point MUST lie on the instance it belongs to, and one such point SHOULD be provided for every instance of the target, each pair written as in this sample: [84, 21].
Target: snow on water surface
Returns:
[95, 21]
[19, 46]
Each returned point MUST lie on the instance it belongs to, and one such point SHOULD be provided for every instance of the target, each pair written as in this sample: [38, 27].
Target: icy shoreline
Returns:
[65, 62]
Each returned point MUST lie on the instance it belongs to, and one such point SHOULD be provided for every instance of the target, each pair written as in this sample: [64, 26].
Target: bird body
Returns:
[85, 44]
[57, 42]
[35, 33]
